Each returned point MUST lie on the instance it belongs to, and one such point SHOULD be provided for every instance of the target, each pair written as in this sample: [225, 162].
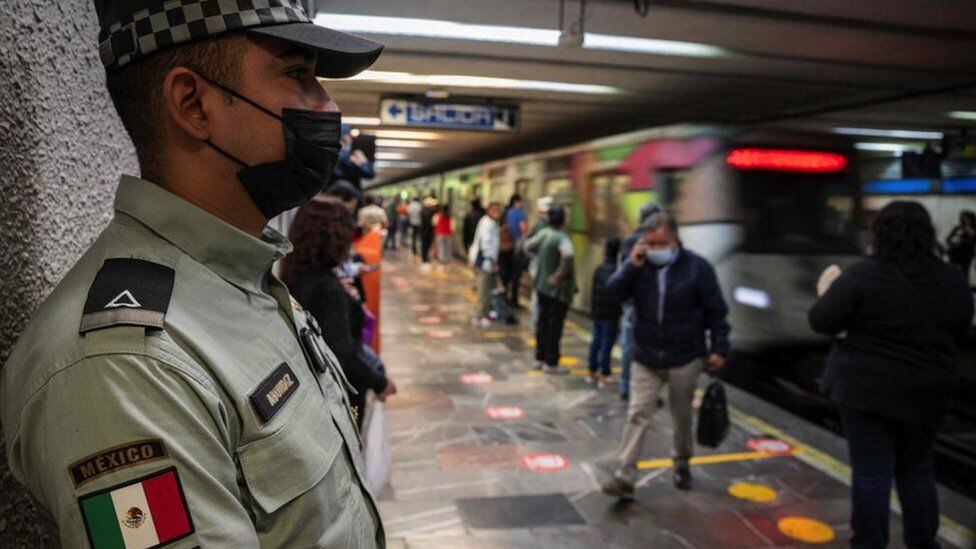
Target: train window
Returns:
[606, 209]
[793, 213]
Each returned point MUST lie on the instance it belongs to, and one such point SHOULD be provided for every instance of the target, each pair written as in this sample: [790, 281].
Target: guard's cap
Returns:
[133, 29]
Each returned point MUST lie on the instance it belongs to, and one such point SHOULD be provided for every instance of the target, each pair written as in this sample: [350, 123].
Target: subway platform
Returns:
[487, 453]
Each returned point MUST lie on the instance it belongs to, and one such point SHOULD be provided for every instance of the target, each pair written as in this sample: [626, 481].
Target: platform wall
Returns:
[62, 149]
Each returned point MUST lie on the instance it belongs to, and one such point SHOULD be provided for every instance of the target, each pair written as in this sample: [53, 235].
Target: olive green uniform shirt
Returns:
[295, 480]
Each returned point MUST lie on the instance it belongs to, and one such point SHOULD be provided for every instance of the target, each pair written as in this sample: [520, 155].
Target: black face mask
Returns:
[311, 151]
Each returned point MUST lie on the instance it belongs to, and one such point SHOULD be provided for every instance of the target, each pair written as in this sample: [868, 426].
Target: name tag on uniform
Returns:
[272, 394]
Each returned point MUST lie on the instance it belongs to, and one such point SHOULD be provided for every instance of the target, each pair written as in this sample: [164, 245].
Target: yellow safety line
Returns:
[716, 458]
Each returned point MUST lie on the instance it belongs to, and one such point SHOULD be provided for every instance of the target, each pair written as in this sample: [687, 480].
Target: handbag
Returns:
[713, 416]
[377, 453]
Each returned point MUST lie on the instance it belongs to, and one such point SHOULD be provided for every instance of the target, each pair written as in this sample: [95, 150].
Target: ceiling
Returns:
[868, 63]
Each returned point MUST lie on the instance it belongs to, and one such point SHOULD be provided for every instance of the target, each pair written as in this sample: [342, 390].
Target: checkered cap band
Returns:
[178, 21]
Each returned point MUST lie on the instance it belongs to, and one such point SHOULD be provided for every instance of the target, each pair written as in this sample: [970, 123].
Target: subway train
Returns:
[769, 209]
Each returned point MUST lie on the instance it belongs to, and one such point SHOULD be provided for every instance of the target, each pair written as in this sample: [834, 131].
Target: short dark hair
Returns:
[515, 198]
[321, 235]
[136, 89]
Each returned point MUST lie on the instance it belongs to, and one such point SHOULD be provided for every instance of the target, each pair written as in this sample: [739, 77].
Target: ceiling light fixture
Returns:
[404, 134]
[360, 121]
[894, 134]
[386, 164]
[401, 143]
[963, 115]
[461, 81]
[888, 147]
[451, 30]
[390, 155]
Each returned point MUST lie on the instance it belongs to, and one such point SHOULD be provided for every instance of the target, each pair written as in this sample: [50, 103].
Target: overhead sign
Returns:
[449, 116]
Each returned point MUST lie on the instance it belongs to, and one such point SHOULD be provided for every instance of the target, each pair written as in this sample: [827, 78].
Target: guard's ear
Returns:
[186, 96]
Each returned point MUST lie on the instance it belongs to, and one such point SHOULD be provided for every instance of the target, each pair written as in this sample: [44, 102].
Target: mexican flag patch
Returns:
[140, 514]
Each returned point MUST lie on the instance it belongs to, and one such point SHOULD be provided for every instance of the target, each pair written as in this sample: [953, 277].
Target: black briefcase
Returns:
[713, 416]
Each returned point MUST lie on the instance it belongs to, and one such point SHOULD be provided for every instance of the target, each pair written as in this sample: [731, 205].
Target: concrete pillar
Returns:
[62, 149]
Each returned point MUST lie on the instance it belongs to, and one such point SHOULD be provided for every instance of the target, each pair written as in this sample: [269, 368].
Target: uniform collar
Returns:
[232, 254]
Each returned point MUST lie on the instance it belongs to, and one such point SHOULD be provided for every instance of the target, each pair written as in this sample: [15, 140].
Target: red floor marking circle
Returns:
[476, 378]
[544, 462]
[769, 444]
[429, 320]
[440, 334]
[504, 412]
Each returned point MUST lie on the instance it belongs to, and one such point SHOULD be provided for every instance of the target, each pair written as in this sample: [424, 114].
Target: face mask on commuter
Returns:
[662, 257]
[311, 150]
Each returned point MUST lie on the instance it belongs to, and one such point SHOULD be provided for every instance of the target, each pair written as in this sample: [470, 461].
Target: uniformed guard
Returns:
[169, 392]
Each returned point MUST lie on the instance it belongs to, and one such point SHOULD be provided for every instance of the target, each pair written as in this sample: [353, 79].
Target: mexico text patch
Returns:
[144, 513]
[116, 458]
[130, 292]
[274, 391]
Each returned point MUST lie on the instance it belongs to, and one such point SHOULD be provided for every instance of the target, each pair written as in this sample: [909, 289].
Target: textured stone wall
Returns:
[62, 149]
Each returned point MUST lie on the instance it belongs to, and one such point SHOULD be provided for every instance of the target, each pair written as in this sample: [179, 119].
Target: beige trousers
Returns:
[645, 386]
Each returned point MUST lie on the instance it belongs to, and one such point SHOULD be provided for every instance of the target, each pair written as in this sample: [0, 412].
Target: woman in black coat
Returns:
[321, 236]
[898, 316]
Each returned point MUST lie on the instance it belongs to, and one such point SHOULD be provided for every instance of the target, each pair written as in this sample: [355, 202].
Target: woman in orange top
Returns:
[443, 228]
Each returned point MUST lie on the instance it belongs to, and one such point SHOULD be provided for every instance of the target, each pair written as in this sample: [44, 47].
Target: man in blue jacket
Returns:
[678, 308]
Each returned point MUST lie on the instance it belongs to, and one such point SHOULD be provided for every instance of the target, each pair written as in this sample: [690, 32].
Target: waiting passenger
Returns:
[483, 256]
[415, 212]
[555, 284]
[321, 235]
[512, 263]
[471, 222]
[605, 310]
[893, 372]
[542, 208]
[961, 243]
[427, 228]
[627, 307]
[443, 229]
[677, 299]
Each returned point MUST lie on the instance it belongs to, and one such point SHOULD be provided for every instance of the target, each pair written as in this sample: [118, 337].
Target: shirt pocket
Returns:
[295, 459]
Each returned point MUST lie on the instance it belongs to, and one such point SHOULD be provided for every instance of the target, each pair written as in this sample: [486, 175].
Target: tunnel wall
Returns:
[62, 149]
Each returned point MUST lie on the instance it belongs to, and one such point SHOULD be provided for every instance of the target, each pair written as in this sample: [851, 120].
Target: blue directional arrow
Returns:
[395, 110]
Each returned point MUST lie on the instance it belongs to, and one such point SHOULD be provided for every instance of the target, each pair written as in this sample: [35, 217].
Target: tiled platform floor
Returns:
[461, 479]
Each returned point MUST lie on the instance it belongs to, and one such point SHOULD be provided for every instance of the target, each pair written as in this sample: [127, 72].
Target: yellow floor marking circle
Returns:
[750, 491]
[806, 530]
[568, 361]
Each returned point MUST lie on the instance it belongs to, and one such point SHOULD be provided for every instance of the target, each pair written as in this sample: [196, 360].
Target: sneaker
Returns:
[538, 365]
[484, 322]
[552, 369]
[618, 487]
[624, 396]
[601, 382]
[682, 477]
[590, 379]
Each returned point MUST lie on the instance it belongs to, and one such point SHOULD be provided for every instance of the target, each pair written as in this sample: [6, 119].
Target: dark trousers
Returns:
[882, 449]
[549, 329]
[505, 268]
[426, 241]
[515, 278]
[604, 337]
[415, 239]
[390, 242]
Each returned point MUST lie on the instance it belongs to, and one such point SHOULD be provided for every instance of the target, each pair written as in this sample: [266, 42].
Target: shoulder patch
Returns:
[130, 292]
[115, 459]
[146, 512]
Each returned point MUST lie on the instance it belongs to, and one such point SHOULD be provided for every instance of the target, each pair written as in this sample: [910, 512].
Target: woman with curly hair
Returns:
[321, 235]
[898, 315]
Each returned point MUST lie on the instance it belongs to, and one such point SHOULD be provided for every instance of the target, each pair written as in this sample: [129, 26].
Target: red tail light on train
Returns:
[786, 161]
